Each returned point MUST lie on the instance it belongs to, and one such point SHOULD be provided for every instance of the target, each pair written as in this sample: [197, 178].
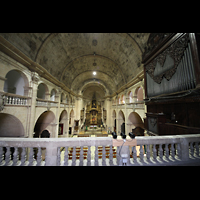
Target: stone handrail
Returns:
[156, 150]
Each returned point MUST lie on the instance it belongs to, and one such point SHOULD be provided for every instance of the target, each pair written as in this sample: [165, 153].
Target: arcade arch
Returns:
[114, 120]
[46, 121]
[10, 126]
[16, 82]
[42, 91]
[134, 120]
[139, 93]
[130, 95]
[121, 122]
[53, 95]
[63, 123]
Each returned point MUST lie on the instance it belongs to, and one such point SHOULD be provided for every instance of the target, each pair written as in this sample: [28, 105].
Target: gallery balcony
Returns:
[101, 151]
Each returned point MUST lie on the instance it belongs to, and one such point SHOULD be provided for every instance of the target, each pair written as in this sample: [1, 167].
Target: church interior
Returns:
[71, 85]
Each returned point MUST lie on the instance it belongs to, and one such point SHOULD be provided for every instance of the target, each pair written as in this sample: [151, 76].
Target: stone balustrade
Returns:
[149, 151]
[13, 99]
[136, 104]
[46, 103]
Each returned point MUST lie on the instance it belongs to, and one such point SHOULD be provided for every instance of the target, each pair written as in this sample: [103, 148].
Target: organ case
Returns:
[172, 82]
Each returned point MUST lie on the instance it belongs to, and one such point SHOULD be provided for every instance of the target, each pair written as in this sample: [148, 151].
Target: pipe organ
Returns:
[172, 83]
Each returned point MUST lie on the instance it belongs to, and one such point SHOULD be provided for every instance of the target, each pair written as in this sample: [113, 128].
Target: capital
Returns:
[35, 77]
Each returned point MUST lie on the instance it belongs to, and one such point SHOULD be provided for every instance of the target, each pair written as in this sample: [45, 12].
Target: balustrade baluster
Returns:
[13, 100]
[166, 152]
[74, 156]
[104, 156]
[7, 156]
[15, 156]
[39, 156]
[141, 153]
[111, 156]
[81, 157]
[10, 100]
[58, 157]
[1, 155]
[178, 151]
[23, 156]
[134, 154]
[172, 152]
[154, 152]
[66, 157]
[31, 154]
[148, 152]
[160, 152]
[197, 149]
[89, 156]
[96, 156]
[191, 149]
[5, 100]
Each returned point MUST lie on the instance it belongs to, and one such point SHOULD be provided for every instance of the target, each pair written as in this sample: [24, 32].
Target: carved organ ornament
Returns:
[175, 51]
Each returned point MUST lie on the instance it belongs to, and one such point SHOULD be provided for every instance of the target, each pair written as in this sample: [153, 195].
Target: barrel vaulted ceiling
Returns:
[73, 57]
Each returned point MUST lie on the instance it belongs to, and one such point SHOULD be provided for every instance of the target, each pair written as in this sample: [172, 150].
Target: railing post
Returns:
[51, 155]
[184, 149]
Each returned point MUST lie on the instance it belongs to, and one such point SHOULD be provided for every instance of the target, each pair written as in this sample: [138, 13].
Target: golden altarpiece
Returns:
[93, 113]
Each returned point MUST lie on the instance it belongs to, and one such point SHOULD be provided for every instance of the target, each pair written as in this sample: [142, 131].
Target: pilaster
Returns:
[2, 82]
[57, 99]
[33, 92]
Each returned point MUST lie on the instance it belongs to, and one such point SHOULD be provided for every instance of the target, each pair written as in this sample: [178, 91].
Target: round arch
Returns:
[139, 93]
[130, 95]
[53, 94]
[10, 126]
[63, 123]
[121, 122]
[46, 121]
[134, 120]
[114, 124]
[42, 91]
[71, 118]
[62, 98]
[16, 82]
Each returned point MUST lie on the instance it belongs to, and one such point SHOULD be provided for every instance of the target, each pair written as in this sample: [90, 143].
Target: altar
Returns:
[93, 114]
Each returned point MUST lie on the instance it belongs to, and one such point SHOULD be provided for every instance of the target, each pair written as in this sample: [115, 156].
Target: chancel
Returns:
[99, 99]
